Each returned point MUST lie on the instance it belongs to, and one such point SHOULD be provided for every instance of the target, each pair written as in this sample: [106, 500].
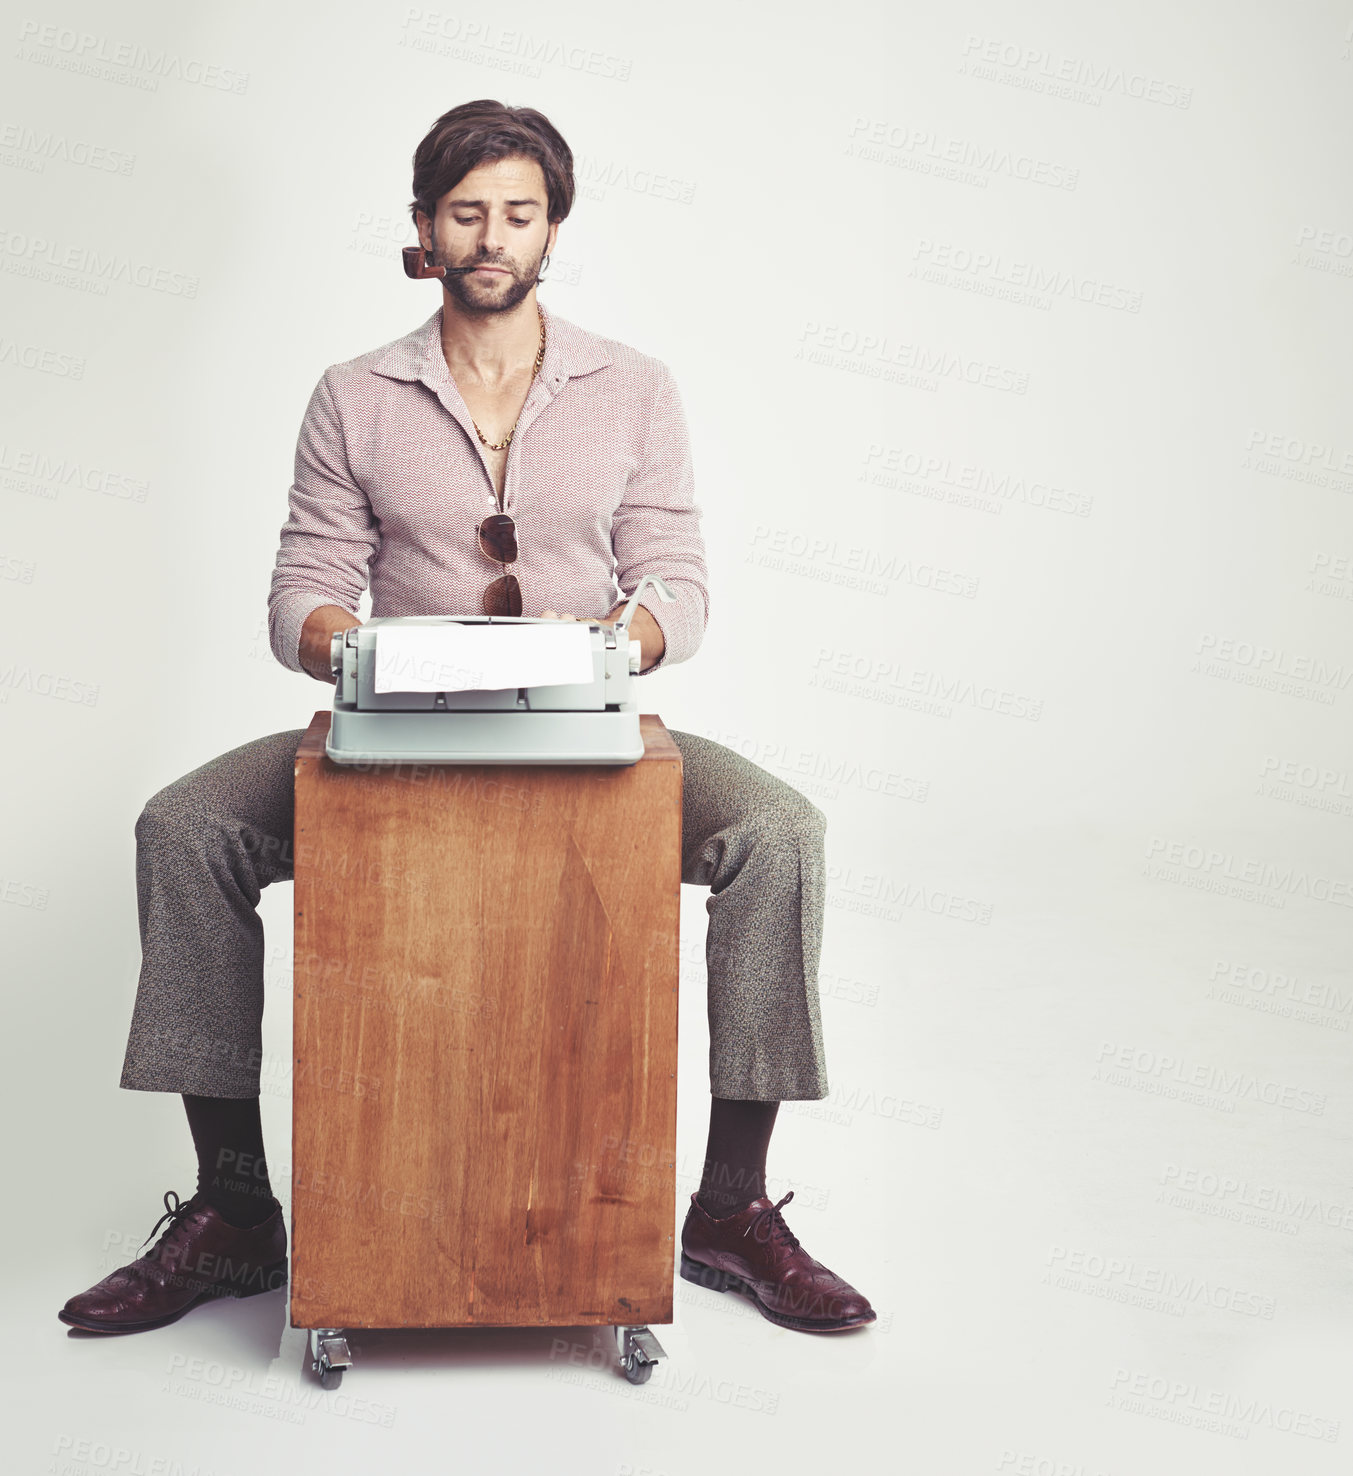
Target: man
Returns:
[497, 459]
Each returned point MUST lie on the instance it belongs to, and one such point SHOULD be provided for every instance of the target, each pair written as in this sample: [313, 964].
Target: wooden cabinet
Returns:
[484, 1118]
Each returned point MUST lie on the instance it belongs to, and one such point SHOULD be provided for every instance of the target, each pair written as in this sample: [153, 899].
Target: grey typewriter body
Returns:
[590, 722]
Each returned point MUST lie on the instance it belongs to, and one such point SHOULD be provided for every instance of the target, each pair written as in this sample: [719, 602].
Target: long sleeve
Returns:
[330, 534]
[656, 530]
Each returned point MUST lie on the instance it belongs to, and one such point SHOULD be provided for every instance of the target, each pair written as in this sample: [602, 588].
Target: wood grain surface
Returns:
[485, 1041]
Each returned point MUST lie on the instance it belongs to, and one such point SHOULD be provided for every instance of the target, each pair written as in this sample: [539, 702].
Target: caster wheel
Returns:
[639, 1350]
[329, 1355]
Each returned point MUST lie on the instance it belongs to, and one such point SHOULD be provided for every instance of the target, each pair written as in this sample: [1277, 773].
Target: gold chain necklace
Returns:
[540, 359]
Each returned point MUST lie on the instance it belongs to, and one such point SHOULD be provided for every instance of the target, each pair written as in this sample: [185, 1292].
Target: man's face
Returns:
[496, 215]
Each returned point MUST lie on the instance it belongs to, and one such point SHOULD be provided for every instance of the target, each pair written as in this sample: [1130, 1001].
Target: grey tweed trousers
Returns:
[207, 845]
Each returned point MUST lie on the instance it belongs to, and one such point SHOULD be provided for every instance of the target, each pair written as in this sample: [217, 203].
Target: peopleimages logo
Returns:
[935, 147]
[66, 49]
[1041, 70]
[36, 146]
[1173, 1071]
[1026, 276]
[44, 259]
[1273, 660]
[880, 356]
[1190, 1399]
[1287, 988]
[1242, 1200]
[1316, 777]
[1156, 1288]
[1225, 866]
[881, 679]
[1298, 451]
[942, 479]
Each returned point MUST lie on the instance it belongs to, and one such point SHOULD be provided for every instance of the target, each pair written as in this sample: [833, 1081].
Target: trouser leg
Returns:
[208, 843]
[758, 845]
[206, 846]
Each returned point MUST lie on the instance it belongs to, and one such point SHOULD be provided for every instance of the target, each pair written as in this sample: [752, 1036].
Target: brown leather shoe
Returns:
[754, 1251]
[198, 1257]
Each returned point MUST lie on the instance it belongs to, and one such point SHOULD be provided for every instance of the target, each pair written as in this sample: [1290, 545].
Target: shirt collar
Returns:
[570, 351]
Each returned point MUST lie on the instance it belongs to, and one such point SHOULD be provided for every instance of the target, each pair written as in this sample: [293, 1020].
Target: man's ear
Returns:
[424, 226]
[552, 237]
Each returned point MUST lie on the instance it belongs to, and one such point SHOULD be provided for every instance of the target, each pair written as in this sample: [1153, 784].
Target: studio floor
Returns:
[1100, 1194]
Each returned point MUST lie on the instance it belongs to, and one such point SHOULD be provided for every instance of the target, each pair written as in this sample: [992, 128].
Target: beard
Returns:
[479, 298]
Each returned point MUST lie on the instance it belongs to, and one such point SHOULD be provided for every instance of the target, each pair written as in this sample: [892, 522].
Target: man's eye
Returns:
[516, 221]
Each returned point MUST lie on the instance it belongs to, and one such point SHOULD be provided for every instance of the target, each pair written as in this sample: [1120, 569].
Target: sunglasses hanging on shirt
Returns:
[497, 537]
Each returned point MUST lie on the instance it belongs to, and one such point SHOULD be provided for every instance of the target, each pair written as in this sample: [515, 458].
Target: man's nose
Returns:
[493, 241]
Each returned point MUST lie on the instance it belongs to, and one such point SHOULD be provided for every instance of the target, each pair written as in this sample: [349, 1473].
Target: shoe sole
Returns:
[721, 1281]
[210, 1294]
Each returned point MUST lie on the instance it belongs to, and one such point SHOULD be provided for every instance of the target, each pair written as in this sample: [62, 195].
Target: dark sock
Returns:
[232, 1175]
[735, 1156]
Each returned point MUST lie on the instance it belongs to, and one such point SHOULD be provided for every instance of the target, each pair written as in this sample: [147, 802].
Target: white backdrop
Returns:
[1014, 345]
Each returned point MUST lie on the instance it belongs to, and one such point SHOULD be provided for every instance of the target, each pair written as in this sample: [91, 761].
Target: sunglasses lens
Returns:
[498, 538]
[503, 596]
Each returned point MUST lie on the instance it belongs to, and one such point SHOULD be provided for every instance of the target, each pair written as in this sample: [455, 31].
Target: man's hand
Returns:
[642, 628]
[316, 635]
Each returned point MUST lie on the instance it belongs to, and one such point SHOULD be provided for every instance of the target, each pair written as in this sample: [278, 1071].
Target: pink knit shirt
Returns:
[391, 481]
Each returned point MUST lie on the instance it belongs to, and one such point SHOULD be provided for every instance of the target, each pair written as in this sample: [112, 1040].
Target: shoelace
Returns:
[774, 1223]
[176, 1212]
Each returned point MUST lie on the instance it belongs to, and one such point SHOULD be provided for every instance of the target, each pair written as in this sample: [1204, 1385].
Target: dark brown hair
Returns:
[476, 133]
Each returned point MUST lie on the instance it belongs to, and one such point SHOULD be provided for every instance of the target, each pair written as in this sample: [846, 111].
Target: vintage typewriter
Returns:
[415, 689]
